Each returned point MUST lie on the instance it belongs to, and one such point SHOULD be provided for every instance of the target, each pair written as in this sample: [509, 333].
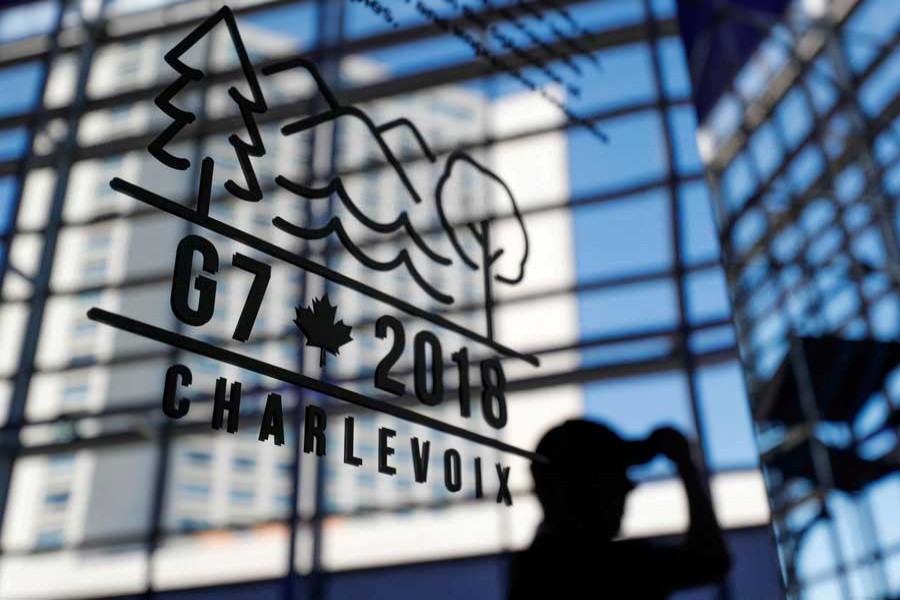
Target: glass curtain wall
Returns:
[587, 117]
[802, 148]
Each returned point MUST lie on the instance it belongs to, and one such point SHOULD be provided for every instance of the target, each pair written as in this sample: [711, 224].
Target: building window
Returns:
[241, 496]
[195, 491]
[75, 393]
[207, 365]
[262, 219]
[84, 328]
[50, 538]
[130, 57]
[198, 457]
[244, 463]
[86, 300]
[120, 114]
[57, 499]
[99, 242]
[61, 462]
[190, 524]
[94, 269]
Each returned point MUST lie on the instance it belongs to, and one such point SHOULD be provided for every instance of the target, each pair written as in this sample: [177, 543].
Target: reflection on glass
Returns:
[623, 296]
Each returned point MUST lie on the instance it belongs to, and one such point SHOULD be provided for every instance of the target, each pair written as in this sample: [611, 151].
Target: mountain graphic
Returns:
[400, 222]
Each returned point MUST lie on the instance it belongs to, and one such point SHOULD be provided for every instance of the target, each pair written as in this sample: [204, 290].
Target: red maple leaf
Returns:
[320, 328]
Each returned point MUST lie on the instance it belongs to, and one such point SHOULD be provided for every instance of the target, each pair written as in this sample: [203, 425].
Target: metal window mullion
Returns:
[41, 284]
[34, 121]
[330, 18]
[865, 510]
[684, 349]
[882, 57]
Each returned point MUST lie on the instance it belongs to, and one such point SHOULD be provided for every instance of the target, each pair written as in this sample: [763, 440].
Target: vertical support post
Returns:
[331, 36]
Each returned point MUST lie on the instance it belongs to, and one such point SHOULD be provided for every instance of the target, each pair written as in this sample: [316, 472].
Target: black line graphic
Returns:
[201, 220]
[335, 113]
[249, 363]
[319, 323]
[320, 328]
[404, 122]
[247, 107]
[481, 232]
[334, 225]
[336, 186]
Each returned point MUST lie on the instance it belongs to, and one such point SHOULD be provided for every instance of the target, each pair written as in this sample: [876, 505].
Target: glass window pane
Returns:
[726, 418]
[33, 18]
[13, 143]
[627, 308]
[707, 296]
[91, 497]
[8, 191]
[634, 154]
[635, 406]
[699, 237]
[598, 301]
[683, 123]
[26, 80]
[627, 236]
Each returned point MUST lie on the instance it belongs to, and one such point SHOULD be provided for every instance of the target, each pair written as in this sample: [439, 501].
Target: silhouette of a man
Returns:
[583, 491]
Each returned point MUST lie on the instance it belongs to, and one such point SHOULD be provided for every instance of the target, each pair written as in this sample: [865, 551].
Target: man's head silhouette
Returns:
[582, 487]
[585, 485]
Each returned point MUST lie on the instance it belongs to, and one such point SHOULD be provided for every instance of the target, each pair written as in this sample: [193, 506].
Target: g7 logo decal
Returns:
[320, 324]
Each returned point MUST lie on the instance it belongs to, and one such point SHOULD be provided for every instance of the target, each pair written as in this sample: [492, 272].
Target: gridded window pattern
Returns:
[802, 150]
[624, 301]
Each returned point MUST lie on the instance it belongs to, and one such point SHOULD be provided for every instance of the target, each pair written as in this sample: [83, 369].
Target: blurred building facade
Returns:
[801, 145]
[624, 301]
